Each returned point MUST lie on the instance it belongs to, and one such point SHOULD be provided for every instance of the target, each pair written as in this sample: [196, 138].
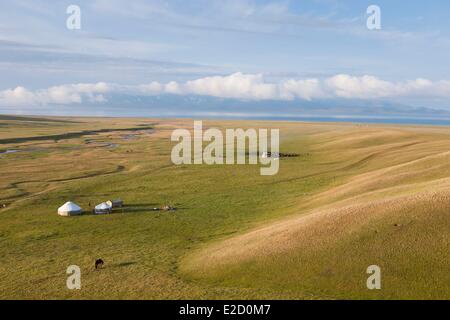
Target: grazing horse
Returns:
[99, 263]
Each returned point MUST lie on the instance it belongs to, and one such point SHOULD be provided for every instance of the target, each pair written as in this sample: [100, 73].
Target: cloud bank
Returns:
[64, 94]
[235, 86]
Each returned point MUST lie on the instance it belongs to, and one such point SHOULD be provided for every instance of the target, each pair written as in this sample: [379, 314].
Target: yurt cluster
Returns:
[72, 209]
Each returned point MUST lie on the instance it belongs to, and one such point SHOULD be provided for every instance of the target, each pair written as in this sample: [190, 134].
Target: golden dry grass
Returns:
[392, 210]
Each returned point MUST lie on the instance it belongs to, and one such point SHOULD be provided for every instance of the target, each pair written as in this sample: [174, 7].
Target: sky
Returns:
[134, 57]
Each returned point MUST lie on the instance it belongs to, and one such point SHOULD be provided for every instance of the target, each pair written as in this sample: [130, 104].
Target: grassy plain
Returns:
[358, 195]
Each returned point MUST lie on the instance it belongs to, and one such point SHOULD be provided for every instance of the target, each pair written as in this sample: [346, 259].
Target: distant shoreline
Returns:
[359, 119]
[340, 119]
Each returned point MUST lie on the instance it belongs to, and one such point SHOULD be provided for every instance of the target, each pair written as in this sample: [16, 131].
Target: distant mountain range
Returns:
[168, 105]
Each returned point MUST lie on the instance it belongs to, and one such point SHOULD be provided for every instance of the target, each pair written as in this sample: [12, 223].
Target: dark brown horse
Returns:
[99, 263]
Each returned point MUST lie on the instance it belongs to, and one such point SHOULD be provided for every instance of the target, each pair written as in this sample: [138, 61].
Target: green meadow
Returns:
[356, 195]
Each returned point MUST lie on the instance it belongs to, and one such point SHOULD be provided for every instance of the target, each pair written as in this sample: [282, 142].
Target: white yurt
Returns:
[69, 209]
[103, 208]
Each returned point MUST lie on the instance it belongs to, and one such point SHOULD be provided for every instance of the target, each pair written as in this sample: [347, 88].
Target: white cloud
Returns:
[369, 87]
[17, 97]
[236, 86]
[172, 88]
[151, 88]
[346, 86]
[63, 94]
[304, 89]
